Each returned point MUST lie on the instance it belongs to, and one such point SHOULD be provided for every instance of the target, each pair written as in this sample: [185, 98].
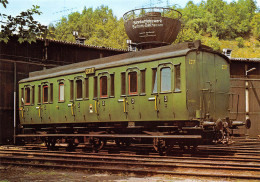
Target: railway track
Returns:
[238, 161]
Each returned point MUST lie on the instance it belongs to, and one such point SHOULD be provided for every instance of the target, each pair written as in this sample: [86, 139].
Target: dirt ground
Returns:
[28, 174]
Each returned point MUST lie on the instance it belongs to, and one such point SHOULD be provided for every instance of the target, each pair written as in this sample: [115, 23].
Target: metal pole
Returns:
[14, 102]
[247, 95]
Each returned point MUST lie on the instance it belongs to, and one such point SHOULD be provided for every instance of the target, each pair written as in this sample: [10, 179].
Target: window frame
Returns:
[43, 93]
[143, 82]
[170, 90]
[123, 84]
[86, 86]
[22, 97]
[101, 86]
[154, 80]
[129, 82]
[51, 93]
[112, 85]
[71, 98]
[95, 88]
[39, 99]
[33, 95]
[76, 89]
[177, 90]
[26, 95]
[61, 83]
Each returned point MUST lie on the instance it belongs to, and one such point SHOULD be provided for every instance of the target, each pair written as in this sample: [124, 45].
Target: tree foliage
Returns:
[100, 27]
[218, 18]
[215, 19]
[23, 25]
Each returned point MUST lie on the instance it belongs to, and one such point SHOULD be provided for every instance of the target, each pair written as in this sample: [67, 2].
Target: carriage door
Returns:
[208, 84]
[47, 102]
[77, 108]
[27, 98]
[133, 85]
[164, 100]
[104, 101]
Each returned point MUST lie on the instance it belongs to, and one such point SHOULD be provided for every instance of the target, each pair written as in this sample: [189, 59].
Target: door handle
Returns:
[155, 103]
[22, 111]
[39, 109]
[96, 104]
[71, 108]
[125, 102]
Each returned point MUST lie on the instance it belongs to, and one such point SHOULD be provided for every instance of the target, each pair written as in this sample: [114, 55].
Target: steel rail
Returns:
[161, 158]
[165, 161]
[113, 136]
[137, 170]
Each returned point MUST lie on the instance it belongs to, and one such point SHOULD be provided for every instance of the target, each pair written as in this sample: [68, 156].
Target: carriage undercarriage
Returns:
[185, 135]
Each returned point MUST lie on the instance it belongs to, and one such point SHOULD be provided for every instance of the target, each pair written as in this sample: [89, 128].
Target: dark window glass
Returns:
[177, 81]
[154, 80]
[103, 86]
[39, 94]
[123, 84]
[142, 81]
[45, 94]
[27, 95]
[61, 92]
[33, 94]
[112, 85]
[79, 89]
[71, 90]
[22, 96]
[86, 88]
[166, 79]
[132, 76]
[51, 92]
[95, 87]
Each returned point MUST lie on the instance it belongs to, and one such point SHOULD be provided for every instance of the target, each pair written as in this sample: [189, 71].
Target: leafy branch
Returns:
[24, 26]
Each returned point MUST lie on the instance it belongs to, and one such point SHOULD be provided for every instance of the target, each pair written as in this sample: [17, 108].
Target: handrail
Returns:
[134, 13]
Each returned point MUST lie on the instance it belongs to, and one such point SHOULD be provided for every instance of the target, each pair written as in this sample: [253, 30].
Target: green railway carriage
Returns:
[177, 90]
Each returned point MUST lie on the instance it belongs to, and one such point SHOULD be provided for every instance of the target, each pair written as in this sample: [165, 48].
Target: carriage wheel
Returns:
[97, 143]
[125, 142]
[161, 146]
[71, 144]
[50, 143]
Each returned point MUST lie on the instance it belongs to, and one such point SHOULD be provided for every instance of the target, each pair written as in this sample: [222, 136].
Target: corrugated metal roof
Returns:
[80, 45]
[254, 60]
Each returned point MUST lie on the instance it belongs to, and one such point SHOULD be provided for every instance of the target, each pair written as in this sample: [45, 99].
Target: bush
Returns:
[213, 42]
[240, 42]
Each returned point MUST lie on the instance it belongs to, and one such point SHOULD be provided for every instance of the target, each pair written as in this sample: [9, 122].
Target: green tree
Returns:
[100, 28]
[23, 25]
[256, 26]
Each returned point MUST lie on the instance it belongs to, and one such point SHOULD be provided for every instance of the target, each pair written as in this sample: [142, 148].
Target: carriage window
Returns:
[166, 79]
[71, 90]
[45, 94]
[142, 81]
[27, 96]
[123, 84]
[33, 94]
[177, 76]
[132, 80]
[154, 80]
[95, 87]
[39, 94]
[51, 93]
[112, 85]
[79, 89]
[61, 92]
[22, 96]
[103, 86]
[86, 88]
